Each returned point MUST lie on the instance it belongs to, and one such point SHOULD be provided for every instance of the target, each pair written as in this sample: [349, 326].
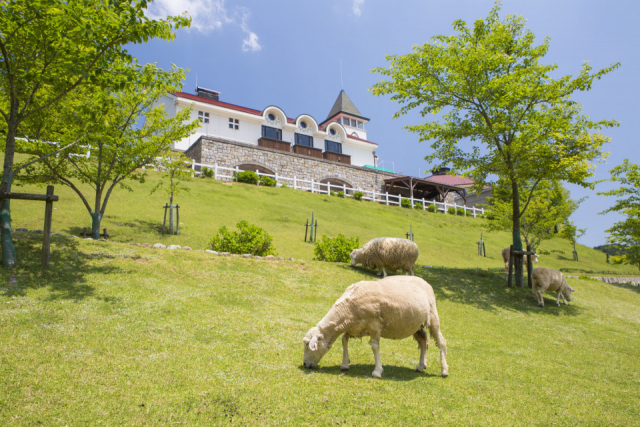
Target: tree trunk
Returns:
[96, 218]
[8, 251]
[517, 240]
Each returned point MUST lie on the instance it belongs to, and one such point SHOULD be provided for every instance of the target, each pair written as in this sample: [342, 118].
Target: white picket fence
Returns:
[223, 173]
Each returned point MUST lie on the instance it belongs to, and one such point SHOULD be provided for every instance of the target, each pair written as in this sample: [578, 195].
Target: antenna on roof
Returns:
[341, 84]
[196, 82]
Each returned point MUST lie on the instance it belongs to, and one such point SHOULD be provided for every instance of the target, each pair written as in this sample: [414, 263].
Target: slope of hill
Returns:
[444, 240]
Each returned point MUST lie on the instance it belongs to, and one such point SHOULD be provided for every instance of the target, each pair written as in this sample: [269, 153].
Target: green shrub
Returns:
[341, 194]
[249, 239]
[332, 193]
[284, 185]
[432, 207]
[451, 210]
[206, 172]
[490, 216]
[337, 249]
[358, 195]
[405, 203]
[267, 181]
[461, 212]
[248, 177]
[418, 205]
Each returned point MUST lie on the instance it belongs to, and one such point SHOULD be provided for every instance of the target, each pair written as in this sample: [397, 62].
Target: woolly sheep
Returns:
[396, 308]
[544, 279]
[505, 258]
[387, 253]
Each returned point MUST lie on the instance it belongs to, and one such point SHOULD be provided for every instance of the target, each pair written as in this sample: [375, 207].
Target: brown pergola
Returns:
[423, 189]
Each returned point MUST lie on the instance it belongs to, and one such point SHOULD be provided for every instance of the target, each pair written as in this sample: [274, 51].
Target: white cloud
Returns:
[356, 7]
[207, 15]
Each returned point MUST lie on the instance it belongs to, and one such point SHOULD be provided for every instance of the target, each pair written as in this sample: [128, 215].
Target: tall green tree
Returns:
[626, 234]
[51, 48]
[550, 207]
[115, 146]
[503, 115]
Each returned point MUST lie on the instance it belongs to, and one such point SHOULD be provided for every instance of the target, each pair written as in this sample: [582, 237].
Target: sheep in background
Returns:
[387, 253]
[396, 307]
[505, 258]
[544, 279]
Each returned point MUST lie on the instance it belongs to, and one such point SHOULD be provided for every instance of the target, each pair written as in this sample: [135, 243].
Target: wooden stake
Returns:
[48, 214]
[510, 266]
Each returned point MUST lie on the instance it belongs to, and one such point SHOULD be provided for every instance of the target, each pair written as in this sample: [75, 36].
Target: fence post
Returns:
[276, 179]
[445, 206]
[258, 173]
[294, 183]
[215, 171]
[482, 211]
[387, 197]
[193, 168]
[373, 194]
[411, 201]
[329, 187]
[474, 211]
[424, 204]
[48, 214]
[312, 185]
[344, 190]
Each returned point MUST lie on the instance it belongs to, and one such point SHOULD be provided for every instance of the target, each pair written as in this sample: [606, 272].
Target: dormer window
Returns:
[346, 121]
[203, 117]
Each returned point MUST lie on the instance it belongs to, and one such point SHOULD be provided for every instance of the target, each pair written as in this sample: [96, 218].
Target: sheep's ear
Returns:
[313, 344]
[572, 290]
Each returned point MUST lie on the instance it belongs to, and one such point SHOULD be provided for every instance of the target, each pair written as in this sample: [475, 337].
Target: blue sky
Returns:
[288, 53]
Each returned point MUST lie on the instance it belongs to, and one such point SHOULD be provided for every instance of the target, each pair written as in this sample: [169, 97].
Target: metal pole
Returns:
[315, 233]
[306, 229]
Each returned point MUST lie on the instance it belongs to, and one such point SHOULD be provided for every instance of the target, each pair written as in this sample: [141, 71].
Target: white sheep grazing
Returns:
[387, 253]
[505, 258]
[544, 279]
[396, 307]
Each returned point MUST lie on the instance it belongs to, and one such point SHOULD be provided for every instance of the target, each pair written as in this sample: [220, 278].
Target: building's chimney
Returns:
[208, 93]
[441, 171]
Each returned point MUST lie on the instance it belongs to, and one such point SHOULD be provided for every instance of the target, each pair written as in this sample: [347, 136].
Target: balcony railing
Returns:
[274, 144]
[307, 151]
[337, 157]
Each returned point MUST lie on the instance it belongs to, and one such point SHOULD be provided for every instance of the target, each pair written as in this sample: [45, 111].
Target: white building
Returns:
[341, 137]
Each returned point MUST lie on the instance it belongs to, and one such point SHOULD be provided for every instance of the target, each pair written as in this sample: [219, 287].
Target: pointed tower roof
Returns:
[344, 105]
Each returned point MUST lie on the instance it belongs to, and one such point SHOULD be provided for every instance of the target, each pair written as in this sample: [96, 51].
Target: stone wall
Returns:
[211, 151]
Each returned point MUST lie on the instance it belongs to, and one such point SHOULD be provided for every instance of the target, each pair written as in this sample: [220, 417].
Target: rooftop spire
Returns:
[344, 105]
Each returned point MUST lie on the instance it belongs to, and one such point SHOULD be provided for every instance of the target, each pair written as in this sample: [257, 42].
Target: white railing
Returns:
[223, 173]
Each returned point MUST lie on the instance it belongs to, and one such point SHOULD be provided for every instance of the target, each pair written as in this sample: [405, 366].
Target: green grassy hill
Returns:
[444, 240]
[117, 335]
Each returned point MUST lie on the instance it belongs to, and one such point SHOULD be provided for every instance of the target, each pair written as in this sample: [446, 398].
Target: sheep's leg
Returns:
[375, 347]
[345, 353]
[434, 329]
[423, 344]
[536, 293]
[558, 298]
[384, 272]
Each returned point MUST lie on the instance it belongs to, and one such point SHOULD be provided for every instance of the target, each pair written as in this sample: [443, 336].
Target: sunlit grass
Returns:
[118, 335]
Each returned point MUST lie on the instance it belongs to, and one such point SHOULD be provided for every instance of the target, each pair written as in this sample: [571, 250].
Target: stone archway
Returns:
[255, 167]
[338, 184]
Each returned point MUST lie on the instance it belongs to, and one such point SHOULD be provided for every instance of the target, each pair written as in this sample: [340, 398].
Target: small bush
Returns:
[332, 193]
[337, 249]
[451, 210]
[490, 216]
[341, 194]
[249, 239]
[284, 185]
[461, 212]
[405, 203]
[267, 181]
[358, 195]
[432, 207]
[417, 205]
[248, 177]
[206, 172]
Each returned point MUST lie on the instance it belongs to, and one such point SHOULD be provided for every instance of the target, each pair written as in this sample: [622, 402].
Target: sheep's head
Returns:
[315, 346]
[354, 256]
[566, 290]
[535, 258]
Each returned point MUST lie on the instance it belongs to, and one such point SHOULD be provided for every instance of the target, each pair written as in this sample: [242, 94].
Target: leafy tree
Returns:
[496, 96]
[51, 48]
[173, 166]
[550, 206]
[626, 234]
[116, 146]
[572, 233]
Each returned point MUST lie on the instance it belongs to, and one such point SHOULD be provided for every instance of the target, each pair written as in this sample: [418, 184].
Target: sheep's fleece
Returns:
[506, 256]
[396, 307]
[545, 279]
[387, 253]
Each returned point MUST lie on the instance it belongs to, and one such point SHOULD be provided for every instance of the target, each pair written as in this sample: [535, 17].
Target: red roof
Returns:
[449, 179]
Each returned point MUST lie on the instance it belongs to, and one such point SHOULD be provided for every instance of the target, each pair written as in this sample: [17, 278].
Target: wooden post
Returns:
[306, 229]
[315, 232]
[106, 235]
[177, 219]
[164, 222]
[529, 268]
[48, 214]
[484, 249]
[510, 266]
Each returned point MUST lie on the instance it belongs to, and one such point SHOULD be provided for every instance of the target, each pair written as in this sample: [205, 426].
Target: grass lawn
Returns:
[118, 335]
[444, 240]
